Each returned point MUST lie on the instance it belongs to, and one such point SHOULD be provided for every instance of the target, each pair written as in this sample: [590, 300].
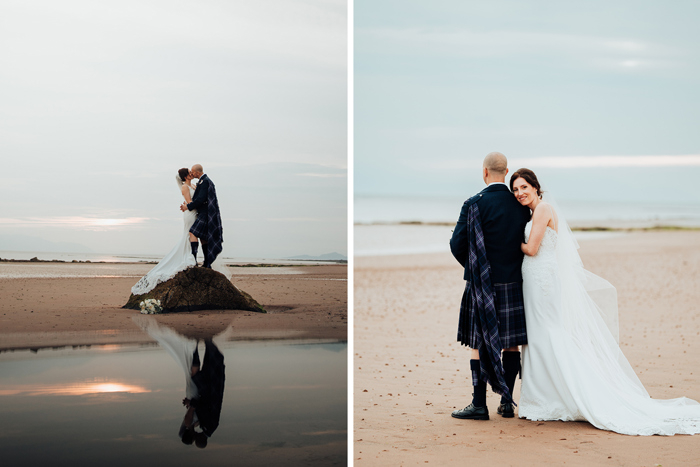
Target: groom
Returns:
[486, 241]
[207, 227]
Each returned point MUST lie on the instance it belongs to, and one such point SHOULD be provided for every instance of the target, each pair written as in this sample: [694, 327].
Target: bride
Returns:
[573, 368]
[184, 254]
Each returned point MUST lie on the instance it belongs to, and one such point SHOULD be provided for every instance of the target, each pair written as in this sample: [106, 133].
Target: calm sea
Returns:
[445, 209]
[395, 225]
[122, 258]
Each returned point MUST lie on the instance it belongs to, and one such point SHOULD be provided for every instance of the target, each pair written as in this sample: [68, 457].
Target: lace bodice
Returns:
[549, 241]
[543, 266]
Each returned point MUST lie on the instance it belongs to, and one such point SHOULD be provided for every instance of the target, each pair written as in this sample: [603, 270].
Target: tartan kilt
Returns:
[510, 311]
[199, 228]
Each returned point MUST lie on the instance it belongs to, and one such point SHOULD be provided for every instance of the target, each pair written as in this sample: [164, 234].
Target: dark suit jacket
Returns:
[200, 197]
[503, 221]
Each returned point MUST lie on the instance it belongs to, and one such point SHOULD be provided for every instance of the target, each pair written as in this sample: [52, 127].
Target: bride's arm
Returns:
[540, 219]
[186, 193]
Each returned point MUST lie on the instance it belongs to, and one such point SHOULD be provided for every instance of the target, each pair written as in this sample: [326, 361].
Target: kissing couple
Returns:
[202, 224]
[204, 381]
[526, 286]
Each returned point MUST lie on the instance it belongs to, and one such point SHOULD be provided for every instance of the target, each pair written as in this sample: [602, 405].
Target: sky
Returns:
[600, 98]
[104, 101]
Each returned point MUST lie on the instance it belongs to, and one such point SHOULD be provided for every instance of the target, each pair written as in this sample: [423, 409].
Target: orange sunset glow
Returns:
[71, 389]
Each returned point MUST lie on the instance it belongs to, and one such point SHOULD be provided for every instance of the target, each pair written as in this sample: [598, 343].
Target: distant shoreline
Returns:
[76, 261]
[246, 265]
[633, 226]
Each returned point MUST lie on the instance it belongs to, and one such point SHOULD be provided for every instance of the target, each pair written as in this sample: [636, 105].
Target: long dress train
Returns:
[573, 368]
[180, 348]
[179, 259]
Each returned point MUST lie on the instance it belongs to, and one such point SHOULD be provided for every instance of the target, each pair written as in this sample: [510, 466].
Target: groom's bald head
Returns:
[495, 167]
[197, 170]
[496, 163]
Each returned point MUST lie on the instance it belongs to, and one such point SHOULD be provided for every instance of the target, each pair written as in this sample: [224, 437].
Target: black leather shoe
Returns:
[506, 410]
[472, 413]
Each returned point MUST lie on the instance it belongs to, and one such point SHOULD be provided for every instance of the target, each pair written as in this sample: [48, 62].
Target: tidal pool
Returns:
[284, 403]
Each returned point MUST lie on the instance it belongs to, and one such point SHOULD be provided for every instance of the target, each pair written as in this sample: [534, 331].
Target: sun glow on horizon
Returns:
[72, 389]
[86, 223]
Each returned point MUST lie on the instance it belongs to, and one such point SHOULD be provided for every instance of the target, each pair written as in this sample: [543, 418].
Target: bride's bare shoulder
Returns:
[544, 206]
[546, 213]
[543, 212]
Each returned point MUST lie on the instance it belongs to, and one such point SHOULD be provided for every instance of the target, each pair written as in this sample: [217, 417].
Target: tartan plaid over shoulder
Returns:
[482, 300]
[215, 231]
[209, 227]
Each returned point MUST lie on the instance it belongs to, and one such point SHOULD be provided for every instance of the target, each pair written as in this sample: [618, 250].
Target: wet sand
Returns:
[410, 373]
[54, 305]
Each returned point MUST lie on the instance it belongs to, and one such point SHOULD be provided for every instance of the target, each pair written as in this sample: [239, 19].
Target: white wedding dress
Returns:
[180, 348]
[573, 368]
[179, 258]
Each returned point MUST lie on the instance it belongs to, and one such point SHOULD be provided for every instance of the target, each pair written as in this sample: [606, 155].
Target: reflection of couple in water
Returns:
[204, 381]
[204, 409]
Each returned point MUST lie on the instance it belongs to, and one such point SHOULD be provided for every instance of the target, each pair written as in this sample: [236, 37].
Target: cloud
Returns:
[593, 51]
[87, 223]
[103, 102]
[152, 82]
[322, 175]
[577, 162]
[303, 31]
[610, 161]
[304, 219]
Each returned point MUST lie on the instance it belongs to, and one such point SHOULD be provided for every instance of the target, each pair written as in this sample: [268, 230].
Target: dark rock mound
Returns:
[197, 289]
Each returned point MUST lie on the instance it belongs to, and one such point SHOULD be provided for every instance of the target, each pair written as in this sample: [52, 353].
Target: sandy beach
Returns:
[63, 304]
[410, 373]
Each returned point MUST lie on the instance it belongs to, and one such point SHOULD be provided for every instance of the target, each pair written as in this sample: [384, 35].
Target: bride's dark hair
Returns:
[183, 173]
[529, 177]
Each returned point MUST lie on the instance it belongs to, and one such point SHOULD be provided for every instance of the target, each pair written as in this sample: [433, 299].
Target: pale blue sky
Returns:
[440, 84]
[102, 103]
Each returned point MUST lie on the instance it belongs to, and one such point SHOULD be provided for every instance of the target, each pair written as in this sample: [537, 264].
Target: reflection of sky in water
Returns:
[283, 404]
